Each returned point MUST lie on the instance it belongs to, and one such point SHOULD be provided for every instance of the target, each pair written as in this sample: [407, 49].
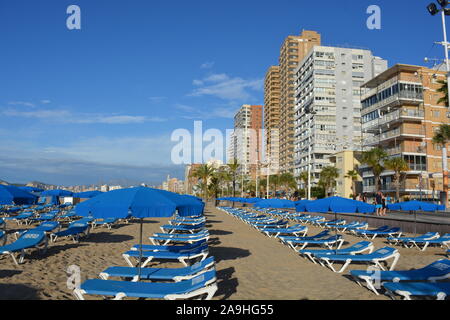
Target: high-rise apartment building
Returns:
[293, 50]
[400, 113]
[328, 106]
[246, 140]
[272, 91]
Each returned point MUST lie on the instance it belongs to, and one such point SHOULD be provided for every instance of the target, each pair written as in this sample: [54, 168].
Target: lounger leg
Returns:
[127, 259]
[394, 263]
[347, 262]
[78, 293]
[149, 259]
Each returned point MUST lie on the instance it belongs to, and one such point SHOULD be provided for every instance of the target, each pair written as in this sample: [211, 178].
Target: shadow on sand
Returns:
[9, 273]
[226, 283]
[107, 237]
[227, 253]
[219, 232]
[18, 292]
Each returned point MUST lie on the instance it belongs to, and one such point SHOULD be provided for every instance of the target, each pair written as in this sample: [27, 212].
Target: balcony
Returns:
[405, 149]
[402, 114]
[393, 134]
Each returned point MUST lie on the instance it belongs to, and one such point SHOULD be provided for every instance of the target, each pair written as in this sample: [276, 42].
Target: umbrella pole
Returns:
[140, 250]
[336, 232]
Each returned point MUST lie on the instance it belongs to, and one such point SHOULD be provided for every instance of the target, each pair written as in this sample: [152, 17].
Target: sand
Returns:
[250, 265]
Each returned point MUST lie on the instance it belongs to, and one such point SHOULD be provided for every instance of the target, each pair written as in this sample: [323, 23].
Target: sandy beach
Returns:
[250, 265]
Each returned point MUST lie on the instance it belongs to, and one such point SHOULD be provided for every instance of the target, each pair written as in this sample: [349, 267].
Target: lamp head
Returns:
[432, 9]
[442, 3]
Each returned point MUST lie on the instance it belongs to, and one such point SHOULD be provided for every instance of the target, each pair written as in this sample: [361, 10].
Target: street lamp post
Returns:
[433, 10]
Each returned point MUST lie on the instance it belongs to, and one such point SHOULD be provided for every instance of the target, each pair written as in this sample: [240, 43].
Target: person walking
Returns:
[379, 203]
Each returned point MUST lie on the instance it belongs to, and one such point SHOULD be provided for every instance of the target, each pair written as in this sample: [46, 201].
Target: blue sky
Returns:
[99, 104]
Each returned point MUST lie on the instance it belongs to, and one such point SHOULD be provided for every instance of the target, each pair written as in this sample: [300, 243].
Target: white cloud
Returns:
[226, 87]
[45, 101]
[22, 103]
[207, 65]
[81, 118]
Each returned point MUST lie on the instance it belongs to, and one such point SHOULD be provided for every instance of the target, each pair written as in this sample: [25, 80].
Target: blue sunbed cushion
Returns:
[159, 273]
[27, 240]
[438, 268]
[154, 290]
[350, 250]
[167, 254]
[419, 288]
[379, 254]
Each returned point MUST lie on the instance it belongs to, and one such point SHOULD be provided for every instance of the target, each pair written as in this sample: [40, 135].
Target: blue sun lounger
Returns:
[160, 274]
[29, 240]
[67, 216]
[24, 217]
[164, 240]
[391, 232]
[276, 224]
[183, 257]
[204, 284]
[439, 290]
[331, 223]
[442, 241]
[351, 226]
[373, 258]
[357, 248]
[295, 230]
[438, 270]
[318, 236]
[406, 240]
[46, 227]
[327, 242]
[173, 248]
[74, 231]
[46, 217]
[182, 228]
[107, 222]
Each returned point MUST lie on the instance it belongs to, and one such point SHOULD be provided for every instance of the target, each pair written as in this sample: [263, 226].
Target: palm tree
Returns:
[303, 178]
[214, 186]
[374, 158]
[233, 168]
[204, 173]
[354, 176]
[328, 178]
[399, 166]
[274, 182]
[224, 179]
[444, 90]
[442, 137]
[287, 181]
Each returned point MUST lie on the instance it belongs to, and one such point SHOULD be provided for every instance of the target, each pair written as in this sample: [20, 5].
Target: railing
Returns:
[403, 113]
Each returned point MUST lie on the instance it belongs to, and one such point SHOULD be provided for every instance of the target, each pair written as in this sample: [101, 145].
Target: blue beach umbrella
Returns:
[87, 194]
[300, 206]
[275, 204]
[14, 195]
[138, 202]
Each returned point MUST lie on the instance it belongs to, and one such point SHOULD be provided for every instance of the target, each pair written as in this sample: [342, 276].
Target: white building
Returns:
[328, 106]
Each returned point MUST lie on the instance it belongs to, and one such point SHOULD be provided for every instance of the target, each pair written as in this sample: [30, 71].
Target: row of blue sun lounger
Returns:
[408, 284]
[186, 242]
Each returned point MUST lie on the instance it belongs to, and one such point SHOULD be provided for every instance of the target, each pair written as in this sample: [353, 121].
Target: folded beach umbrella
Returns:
[418, 206]
[87, 194]
[14, 195]
[275, 204]
[339, 205]
[186, 206]
[138, 202]
[300, 206]
[56, 193]
[251, 200]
